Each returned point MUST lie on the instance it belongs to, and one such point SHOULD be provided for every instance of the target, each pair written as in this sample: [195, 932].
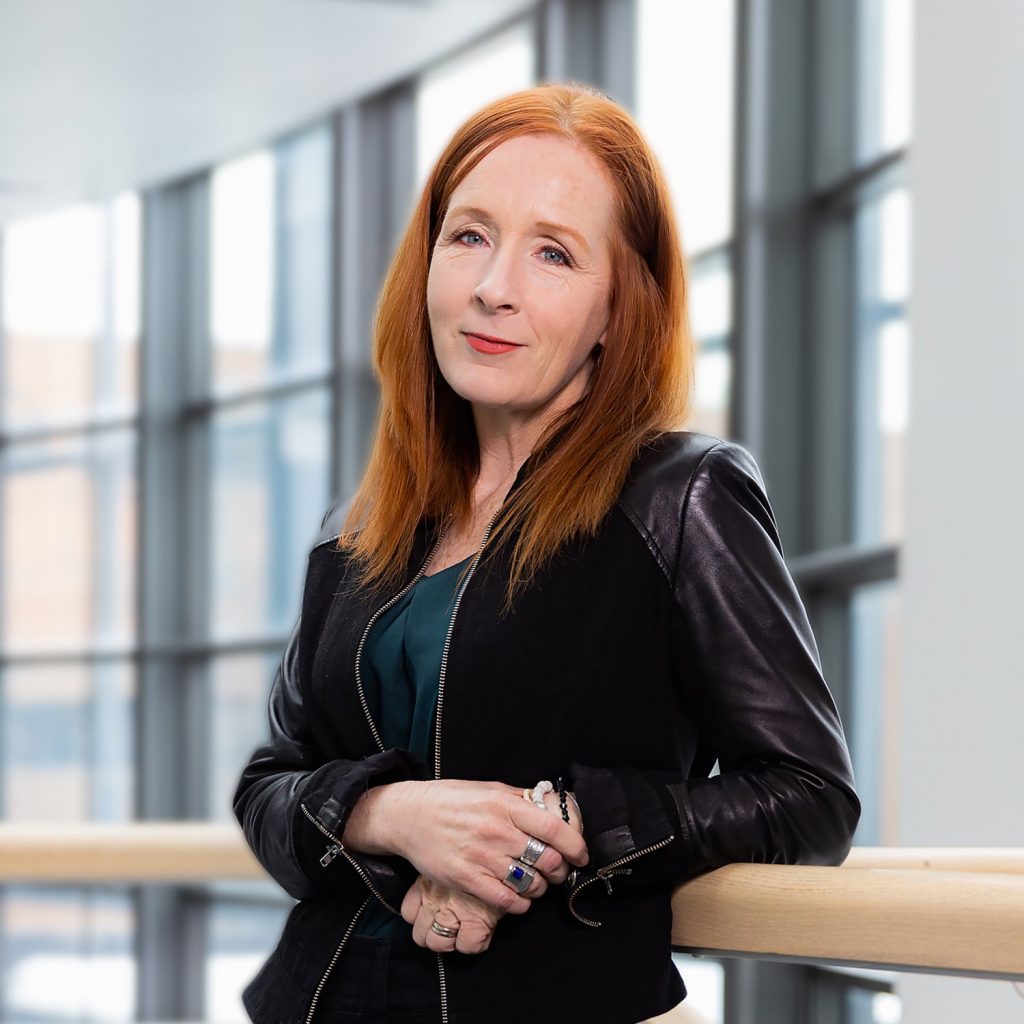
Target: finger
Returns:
[551, 864]
[538, 885]
[411, 903]
[549, 828]
[474, 937]
[424, 935]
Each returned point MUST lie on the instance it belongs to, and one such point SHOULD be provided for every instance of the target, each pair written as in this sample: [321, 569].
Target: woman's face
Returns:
[501, 267]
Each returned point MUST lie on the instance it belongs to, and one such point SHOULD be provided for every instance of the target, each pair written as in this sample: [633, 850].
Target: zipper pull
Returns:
[332, 851]
[615, 871]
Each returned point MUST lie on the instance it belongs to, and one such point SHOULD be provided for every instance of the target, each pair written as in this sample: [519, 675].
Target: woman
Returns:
[538, 581]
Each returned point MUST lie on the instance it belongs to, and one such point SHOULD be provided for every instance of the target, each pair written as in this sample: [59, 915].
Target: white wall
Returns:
[962, 702]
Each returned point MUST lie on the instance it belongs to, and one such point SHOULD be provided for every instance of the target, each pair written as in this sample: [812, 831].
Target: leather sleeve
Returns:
[750, 674]
[290, 771]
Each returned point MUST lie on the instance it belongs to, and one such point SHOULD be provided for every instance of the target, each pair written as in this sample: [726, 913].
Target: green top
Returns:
[400, 669]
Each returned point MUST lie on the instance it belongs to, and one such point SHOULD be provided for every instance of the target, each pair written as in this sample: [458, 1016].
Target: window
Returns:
[69, 349]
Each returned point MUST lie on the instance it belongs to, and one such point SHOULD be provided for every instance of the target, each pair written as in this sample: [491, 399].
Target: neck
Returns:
[507, 437]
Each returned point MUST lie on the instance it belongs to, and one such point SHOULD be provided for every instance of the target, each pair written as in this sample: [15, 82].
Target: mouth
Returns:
[489, 344]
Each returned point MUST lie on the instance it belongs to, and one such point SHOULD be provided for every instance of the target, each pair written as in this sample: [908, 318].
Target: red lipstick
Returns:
[490, 345]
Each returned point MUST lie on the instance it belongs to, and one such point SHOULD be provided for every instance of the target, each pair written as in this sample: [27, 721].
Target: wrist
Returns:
[375, 822]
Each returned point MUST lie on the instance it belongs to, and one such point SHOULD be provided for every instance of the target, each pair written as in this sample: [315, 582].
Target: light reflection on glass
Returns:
[71, 312]
[69, 536]
[242, 266]
[882, 387]
[67, 954]
[886, 53]
[452, 91]
[685, 72]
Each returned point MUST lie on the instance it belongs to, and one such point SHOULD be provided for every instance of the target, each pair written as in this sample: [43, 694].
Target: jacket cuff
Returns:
[328, 797]
[624, 811]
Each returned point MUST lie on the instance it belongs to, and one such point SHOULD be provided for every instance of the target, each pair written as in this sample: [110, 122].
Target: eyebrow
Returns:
[480, 214]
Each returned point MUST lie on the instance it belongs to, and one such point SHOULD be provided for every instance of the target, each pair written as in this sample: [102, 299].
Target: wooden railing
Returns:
[956, 911]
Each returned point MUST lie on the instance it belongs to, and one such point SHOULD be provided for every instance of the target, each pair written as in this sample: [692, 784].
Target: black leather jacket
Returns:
[672, 638]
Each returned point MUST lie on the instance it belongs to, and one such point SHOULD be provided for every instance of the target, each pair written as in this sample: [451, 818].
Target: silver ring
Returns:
[519, 877]
[534, 848]
[440, 929]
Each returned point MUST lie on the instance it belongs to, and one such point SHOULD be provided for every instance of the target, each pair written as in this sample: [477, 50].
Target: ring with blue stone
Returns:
[519, 877]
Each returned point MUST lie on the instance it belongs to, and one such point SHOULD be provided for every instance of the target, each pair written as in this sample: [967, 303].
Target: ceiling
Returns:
[109, 95]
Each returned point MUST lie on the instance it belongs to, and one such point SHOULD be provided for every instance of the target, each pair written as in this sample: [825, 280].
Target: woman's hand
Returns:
[464, 834]
[427, 901]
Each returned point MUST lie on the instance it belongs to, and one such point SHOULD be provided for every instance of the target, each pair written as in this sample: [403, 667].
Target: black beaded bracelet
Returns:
[562, 800]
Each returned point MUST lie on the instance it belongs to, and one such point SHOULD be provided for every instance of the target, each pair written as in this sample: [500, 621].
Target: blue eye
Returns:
[567, 262]
[566, 258]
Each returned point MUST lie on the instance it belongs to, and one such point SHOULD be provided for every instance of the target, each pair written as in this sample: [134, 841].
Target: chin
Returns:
[480, 392]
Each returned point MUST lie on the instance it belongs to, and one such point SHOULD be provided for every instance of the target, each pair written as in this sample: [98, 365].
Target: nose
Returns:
[497, 288]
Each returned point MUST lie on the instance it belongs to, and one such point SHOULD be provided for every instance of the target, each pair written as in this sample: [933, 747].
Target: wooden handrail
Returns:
[953, 910]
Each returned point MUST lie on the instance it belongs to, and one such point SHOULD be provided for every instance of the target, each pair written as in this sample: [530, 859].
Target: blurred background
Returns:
[197, 204]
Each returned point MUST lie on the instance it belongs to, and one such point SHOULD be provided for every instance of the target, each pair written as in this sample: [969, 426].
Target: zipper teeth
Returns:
[572, 900]
[444, 988]
[334, 960]
[366, 632]
[447, 645]
[606, 872]
[437, 718]
[341, 849]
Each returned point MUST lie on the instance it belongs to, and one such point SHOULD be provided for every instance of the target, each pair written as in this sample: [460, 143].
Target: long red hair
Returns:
[425, 455]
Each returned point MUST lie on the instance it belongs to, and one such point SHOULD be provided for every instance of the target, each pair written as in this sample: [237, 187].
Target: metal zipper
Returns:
[437, 716]
[334, 959]
[369, 626]
[605, 873]
[334, 848]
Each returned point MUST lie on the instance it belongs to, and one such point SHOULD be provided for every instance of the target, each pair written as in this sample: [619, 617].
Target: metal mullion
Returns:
[182, 650]
[853, 189]
[208, 404]
[272, 898]
[54, 430]
[171, 576]
[335, 379]
[844, 568]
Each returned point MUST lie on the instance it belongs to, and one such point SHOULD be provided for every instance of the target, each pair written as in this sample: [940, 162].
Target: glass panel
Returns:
[685, 71]
[71, 312]
[238, 940]
[270, 223]
[876, 652]
[705, 986]
[269, 491]
[883, 379]
[711, 321]
[236, 709]
[67, 954]
[69, 546]
[449, 93]
[884, 76]
[67, 733]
